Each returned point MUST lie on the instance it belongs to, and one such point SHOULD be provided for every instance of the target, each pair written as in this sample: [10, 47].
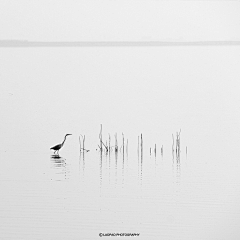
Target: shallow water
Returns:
[156, 91]
[78, 197]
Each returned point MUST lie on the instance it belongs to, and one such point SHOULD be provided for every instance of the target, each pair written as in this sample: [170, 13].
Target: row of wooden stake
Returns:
[108, 148]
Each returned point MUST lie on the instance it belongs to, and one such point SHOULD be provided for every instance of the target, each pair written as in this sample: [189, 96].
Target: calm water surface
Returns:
[156, 91]
[79, 196]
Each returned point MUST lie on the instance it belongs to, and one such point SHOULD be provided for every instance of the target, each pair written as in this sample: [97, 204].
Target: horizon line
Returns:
[26, 43]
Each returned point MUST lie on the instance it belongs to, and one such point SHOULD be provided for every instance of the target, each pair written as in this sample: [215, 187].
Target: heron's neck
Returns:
[64, 140]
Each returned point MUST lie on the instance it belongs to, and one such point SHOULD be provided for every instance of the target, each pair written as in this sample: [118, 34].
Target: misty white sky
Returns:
[107, 20]
[77, 88]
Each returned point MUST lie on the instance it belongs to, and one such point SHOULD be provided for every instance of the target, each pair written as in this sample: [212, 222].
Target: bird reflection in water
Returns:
[59, 166]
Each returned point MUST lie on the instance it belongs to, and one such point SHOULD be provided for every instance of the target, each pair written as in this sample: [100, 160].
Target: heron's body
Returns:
[59, 146]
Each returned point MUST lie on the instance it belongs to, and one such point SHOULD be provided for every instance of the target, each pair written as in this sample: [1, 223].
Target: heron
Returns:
[59, 146]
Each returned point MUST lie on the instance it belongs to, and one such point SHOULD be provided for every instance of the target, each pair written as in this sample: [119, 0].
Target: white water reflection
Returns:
[79, 197]
[60, 167]
[153, 91]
